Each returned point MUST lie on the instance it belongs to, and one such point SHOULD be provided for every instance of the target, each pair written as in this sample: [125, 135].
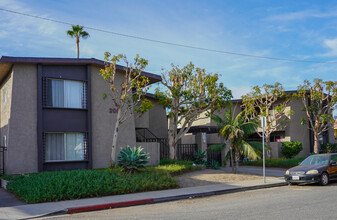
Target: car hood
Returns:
[307, 168]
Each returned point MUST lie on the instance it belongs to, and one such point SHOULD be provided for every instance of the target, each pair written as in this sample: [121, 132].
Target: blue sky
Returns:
[287, 29]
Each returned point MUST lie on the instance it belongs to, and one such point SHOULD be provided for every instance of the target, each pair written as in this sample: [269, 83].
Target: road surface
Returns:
[287, 202]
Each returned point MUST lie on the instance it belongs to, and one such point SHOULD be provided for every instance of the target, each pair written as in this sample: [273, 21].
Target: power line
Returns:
[171, 43]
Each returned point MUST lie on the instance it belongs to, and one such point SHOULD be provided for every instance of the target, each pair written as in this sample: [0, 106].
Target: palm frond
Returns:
[249, 151]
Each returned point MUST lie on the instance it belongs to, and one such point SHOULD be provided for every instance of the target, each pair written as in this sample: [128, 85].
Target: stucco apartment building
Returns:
[53, 116]
[205, 132]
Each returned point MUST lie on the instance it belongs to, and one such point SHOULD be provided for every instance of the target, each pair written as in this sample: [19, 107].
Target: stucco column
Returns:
[201, 140]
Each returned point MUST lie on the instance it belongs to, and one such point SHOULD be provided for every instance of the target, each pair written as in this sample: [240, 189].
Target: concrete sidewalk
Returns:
[71, 206]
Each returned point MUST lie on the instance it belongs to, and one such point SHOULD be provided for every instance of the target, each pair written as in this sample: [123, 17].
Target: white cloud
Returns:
[300, 15]
[331, 44]
[240, 91]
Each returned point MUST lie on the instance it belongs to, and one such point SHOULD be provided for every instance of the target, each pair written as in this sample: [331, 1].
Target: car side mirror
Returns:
[333, 163]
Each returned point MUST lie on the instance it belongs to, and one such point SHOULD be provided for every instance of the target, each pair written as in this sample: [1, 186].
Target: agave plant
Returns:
[132, 158]
[199, 157]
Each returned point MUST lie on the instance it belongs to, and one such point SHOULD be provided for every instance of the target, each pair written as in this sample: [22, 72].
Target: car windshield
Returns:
[316, 160]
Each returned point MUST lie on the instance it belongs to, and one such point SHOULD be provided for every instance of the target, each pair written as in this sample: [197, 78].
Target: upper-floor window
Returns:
[4, 95]
[4, 141]
[66, 93]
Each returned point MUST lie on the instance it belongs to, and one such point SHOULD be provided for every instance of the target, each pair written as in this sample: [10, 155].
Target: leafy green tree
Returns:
[128, 95]
[77, 32]
[319, 99]
[268, 101]
[188, 93]
[236, 129]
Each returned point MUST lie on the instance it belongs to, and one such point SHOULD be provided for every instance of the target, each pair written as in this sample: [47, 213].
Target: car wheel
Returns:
[324, 179]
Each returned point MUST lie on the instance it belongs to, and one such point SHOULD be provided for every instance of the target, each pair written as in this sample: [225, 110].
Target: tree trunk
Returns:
[237, 158]
[316, 143]
[78, 47]
[267, 143]
[114, 140]
[231, 155]
[172, 136]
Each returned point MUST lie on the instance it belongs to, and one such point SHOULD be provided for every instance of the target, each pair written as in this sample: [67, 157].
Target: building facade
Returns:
[205, 132]
[53, 116]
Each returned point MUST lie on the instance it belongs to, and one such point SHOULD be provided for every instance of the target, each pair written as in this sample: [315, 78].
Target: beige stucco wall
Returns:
[143, 120]
[158, 120]
[295, 131]
[5, 107]
[154, 119]
[103, 122]
[153, 148]
[5, 110]
[22, 156]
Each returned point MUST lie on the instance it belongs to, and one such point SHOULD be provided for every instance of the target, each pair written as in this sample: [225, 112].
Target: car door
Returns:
[333, 168]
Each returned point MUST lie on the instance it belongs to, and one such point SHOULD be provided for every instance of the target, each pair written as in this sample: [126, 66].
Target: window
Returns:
[65, 146]
[66, 93]
[4, 141]
[4, 95]
[334, 158]
[276, 138]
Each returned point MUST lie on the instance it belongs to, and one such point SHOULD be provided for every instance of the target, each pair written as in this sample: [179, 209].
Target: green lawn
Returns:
[276, 162]
[77, 184]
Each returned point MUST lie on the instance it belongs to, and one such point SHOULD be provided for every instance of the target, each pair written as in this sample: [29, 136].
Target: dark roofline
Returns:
[7, 59]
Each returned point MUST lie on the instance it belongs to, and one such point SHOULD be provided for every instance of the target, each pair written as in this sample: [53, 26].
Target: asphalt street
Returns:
[287, 202]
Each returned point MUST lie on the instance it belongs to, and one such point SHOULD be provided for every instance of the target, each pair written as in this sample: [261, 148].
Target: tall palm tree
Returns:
[236, 129]
[77, 32]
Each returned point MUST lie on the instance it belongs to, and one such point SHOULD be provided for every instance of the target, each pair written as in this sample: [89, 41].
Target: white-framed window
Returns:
[4, 141]
[4, 95]
[66, 93]
[65, 146]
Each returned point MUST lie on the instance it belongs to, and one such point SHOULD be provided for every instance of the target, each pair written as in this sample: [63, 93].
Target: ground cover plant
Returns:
[175, 167]
[276, 162]
[76, 184]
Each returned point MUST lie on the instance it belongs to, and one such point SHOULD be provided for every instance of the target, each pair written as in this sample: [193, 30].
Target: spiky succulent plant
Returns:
[132, 158]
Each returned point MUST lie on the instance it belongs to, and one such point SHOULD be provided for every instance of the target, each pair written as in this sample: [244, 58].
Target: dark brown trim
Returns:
[89, 140]
[72, 61]
[39, 118]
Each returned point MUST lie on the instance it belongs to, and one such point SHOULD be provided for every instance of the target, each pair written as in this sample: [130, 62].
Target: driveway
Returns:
[8, 200]
[274, 172]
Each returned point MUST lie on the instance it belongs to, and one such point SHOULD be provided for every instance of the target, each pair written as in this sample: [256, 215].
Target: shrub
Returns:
[199, 157]
[276, 162]
[76, 184]
[131, 159]
[214, 165]
[291, 149]
[328, 148]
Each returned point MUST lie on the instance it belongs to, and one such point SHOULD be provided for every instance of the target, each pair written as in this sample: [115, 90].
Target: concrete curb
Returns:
[166, 199]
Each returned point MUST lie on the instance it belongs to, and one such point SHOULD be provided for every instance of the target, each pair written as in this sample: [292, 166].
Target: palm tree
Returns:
[77, 32]
[236, 131]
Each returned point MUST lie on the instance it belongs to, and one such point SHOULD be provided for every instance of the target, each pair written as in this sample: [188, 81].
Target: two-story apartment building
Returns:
[205, 132]
[53, 116]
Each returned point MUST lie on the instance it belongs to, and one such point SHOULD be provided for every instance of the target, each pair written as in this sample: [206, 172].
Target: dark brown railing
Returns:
[2, 160]
[186, 151]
